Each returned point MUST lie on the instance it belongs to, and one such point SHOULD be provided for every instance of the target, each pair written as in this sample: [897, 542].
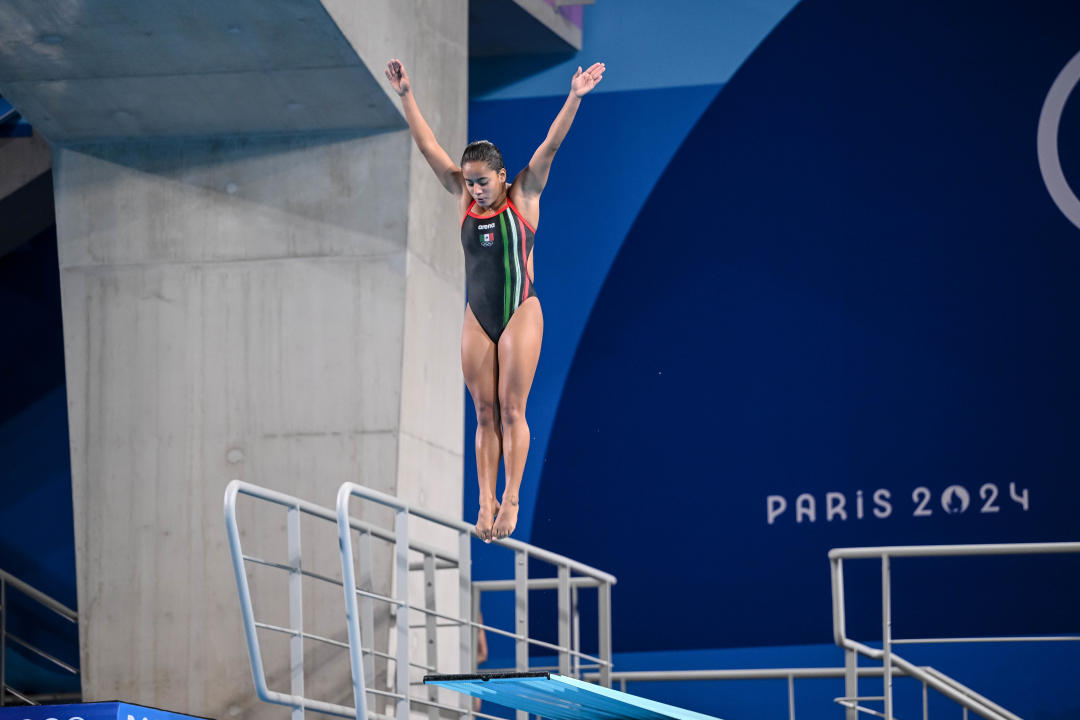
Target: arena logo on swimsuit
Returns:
[487, 239]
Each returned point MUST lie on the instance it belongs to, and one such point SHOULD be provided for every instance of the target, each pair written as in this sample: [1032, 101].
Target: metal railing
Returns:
[360, 599]
[891, 662]
[789, 674]
[898, 667]
[10, 582]
[467, 622]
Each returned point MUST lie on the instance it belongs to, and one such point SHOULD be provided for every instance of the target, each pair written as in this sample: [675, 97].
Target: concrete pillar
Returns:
[281, 308]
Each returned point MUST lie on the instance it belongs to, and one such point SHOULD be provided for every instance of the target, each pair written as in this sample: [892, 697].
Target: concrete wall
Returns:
[99, 69]
[283, 309]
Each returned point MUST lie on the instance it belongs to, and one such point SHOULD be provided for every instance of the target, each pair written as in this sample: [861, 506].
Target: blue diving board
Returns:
[560, 698]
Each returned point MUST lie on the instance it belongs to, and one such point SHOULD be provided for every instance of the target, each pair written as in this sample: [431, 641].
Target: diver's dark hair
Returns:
[484, 151]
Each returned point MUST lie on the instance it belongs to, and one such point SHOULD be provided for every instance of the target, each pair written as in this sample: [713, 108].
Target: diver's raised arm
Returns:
[446, 170]
[534, 177]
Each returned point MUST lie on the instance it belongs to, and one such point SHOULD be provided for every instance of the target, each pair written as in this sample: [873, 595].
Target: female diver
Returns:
[503, 326]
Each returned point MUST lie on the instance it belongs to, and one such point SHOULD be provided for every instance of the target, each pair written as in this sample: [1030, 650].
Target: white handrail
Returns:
[955, 550]
[944, 684]
[297, 701]
[435, 559]
[353, 490]
[468, 626]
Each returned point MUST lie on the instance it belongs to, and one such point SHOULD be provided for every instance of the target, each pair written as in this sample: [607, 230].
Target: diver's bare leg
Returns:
[479, 365]
[519, 350]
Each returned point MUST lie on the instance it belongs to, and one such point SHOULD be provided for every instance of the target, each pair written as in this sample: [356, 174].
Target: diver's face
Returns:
[484, 184]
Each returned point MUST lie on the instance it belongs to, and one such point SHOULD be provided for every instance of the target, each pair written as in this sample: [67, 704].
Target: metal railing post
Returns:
[851, 658]
[576, 632]
[366, 604]
[258, 674]
[791, 696]
[296, 611]
[521, 616]
[475, 631]
[401, 526]
[467, 632]
[564, 620]
[886, 635]
[352, 619]
[431, 630]
[603, 594]
[851, 681]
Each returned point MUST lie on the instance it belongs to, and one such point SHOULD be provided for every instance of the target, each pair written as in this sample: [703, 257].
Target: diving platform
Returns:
[559, 697]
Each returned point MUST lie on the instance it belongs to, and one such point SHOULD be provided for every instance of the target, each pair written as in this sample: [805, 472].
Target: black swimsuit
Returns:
[497, 251]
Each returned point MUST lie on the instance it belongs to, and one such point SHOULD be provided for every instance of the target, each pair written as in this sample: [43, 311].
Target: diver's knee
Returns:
[513, 413]
[487, 415]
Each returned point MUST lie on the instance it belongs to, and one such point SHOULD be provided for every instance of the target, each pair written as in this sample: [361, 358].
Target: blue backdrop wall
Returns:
[37, 538]
[824, 300]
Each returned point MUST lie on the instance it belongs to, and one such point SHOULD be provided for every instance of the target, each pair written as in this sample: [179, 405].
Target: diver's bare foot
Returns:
[485, 519]
[506, 520]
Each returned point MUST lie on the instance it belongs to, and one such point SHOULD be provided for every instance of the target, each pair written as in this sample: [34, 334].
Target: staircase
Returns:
[39, 646]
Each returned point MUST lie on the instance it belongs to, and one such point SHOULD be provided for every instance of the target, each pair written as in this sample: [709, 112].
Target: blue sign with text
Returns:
[89, 711]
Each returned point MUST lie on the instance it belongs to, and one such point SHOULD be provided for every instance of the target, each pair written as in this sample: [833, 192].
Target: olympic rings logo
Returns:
[1047, 141]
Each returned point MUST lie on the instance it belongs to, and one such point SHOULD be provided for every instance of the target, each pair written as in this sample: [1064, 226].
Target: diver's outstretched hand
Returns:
[584, 81]
[399, 79]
